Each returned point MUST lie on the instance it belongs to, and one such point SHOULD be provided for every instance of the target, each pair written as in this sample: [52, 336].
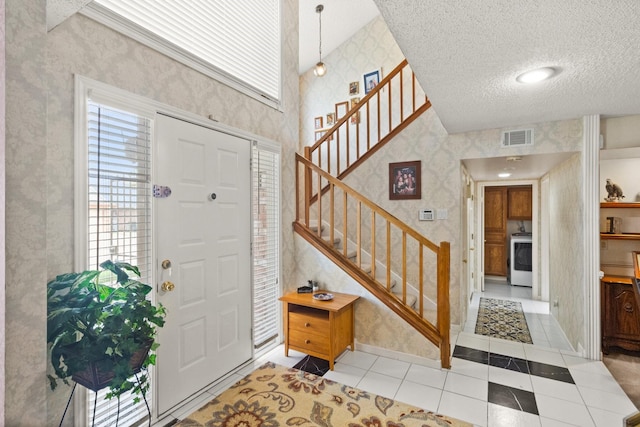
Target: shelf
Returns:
[624, 236]
[619, 205]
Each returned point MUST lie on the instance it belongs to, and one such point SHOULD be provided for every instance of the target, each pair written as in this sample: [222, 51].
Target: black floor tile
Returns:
[508, 362]
[513, 398]
[471, 354]
[550, 371]
[313, 365]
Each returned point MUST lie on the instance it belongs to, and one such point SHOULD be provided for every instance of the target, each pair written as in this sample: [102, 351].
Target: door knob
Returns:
[167, 286]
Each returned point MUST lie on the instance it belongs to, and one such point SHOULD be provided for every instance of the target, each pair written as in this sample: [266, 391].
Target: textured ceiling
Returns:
[466, 55]
[59, 10]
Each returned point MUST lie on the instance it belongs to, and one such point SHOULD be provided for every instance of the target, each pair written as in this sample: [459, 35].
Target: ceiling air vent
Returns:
[516, 138]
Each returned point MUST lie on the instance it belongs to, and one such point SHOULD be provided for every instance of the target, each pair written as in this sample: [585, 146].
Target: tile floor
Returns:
[492, 382]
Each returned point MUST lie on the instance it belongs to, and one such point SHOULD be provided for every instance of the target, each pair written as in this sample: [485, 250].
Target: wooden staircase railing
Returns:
[379, 116]
[400, 249]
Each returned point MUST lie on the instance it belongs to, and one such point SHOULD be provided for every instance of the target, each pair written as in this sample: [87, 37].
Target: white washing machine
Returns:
[520, 264]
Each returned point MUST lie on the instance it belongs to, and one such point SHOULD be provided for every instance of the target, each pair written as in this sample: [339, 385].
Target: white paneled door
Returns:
[202, 224]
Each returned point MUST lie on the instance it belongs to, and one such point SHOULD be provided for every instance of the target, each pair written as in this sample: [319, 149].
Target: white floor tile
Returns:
[614, 402]
[548, 422]
[500, 416]
[470, 369]
[466, 386]
[478, 342]
[563, 410]
[510, 378]
[582, 364]
[192, 406]
[507, 348]
[391, 367]
[345, 374]
[464, 408]
[383, 385]
[427, 376]
[557, 389]
[596, 381]
[548, 356]
[359, 359]
[605, 418]
[419, 395]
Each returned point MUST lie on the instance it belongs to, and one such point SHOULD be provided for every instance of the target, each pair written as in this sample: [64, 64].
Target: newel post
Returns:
[307, 186]
[444, 308]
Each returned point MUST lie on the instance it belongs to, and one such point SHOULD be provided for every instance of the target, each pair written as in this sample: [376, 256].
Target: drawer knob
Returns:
[307, 341]
[307, 324]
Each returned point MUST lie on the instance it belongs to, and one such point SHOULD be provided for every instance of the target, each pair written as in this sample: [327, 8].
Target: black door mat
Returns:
[313, 365]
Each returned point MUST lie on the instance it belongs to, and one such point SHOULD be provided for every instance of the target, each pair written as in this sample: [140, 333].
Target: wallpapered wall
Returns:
[441, 155]
[565, 237]
[41, 68]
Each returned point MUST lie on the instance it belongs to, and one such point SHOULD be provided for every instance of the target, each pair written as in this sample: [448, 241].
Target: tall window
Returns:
[236, 42]
[119, 214]
[266, 245]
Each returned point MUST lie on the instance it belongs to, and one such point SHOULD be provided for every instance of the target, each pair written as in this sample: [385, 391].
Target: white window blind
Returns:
[238, 41]
[266, 245]
[119, 217]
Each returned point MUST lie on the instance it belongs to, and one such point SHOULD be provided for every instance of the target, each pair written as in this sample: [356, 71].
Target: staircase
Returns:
[402, 268]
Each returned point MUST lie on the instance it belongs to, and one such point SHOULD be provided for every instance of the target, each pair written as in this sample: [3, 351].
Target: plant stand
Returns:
[93, 420]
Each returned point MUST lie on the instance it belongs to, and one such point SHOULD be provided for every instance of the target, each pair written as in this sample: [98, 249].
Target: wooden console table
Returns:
[322, 329]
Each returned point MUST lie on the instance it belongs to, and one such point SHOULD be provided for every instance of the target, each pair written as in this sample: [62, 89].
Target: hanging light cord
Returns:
[319, 9]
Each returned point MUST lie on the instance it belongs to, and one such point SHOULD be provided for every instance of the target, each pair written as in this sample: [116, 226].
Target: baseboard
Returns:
[396, 355]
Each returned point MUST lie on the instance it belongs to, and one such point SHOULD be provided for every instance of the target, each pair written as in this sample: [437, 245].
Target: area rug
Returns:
[313, 365]
[502, 319]
[274, 395]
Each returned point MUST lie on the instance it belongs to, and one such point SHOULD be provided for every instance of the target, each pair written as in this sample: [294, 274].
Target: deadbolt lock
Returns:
[167, 286]
[166, 264]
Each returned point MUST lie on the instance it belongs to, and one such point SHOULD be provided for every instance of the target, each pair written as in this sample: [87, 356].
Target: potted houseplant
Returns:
[101, 328]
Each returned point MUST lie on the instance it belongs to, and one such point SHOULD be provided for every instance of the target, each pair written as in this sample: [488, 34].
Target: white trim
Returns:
[591, 235]
[545, 223]
[112, 20]
[86, 88]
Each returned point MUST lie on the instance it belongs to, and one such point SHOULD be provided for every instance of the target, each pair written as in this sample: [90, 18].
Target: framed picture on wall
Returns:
[341, 109]
[318, 122]
[331, 119]
[354, 88]
[404, 180]
[371, 80]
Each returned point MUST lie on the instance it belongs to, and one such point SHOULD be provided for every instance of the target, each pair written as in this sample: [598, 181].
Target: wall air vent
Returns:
[517, 138]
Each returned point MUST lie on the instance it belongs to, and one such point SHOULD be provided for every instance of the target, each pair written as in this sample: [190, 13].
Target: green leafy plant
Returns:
[101, 328]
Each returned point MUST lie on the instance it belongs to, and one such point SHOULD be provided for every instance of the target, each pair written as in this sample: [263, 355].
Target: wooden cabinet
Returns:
[495, 231]
[322, 329]
[623, 207]
[620, 314]
[520, 203]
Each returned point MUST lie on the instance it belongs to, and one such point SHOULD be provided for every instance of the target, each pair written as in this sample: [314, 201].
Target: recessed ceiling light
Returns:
[504, 175]
[537, 75]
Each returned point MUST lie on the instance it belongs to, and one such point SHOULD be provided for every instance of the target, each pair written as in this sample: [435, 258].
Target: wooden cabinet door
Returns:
[520, 203]
[495, 231]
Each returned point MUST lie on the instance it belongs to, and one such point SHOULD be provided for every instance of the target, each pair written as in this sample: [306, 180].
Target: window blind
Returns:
[266, 245]
[238, 40]
[119, 217]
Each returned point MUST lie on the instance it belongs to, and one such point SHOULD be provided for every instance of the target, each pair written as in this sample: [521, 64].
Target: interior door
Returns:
[202, 212]
[495, 231]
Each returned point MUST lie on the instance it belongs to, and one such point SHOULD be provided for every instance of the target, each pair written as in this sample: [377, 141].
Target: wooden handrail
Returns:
[341, 217]
[394, 114]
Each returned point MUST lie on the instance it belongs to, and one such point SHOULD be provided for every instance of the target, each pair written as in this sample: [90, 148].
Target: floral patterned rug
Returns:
[502, 319]
[274, 395]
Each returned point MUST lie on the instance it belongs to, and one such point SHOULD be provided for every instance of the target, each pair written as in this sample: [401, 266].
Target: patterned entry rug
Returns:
[502, 319]
[274, 395]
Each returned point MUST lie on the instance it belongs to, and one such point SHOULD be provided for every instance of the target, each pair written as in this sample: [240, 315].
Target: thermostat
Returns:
[426, 215]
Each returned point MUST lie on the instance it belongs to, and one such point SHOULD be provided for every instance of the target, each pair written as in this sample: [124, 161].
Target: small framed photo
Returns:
[371, 80]
[354, 88]
[355, 118]
[404, 180]
[331, 119]
[320, 133]
[341, 109]
[318, 122]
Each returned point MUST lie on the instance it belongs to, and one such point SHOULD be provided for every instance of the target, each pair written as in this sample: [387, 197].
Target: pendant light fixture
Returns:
[320, 69]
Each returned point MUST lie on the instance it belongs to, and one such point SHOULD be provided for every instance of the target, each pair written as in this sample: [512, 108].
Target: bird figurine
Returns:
[614, 192]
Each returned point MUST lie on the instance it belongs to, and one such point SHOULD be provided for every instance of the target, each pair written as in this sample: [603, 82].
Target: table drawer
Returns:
[311, 322]
[307, 341]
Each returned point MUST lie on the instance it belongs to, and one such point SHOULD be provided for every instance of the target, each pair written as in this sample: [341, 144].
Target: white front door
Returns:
[203, 230]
